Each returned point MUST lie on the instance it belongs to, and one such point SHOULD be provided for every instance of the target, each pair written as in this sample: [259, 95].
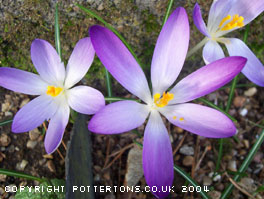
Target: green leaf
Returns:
[53, 190]
[57, 31]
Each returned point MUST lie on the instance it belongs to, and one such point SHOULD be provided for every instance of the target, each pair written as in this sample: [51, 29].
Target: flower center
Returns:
[53, 91]
[236, 21]
[164, 100]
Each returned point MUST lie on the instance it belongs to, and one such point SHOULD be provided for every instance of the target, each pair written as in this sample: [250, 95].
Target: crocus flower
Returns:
[54, 87]
[167, 62]
[224, 17]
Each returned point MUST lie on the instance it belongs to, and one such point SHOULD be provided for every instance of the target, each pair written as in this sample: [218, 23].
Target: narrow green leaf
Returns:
[21, 175]
[92, 14]
[168, 12]
[57, 32]
[205, 101]
[115, 99]
[6, 122]
[244, 165]
[108, 83]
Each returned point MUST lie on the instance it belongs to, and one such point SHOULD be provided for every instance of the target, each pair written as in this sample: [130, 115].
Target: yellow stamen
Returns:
[161, 102]
[237, 21]
[181, 119]
[53, 91]
[174, 117]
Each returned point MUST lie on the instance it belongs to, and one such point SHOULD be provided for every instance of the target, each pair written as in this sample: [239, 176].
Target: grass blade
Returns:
[6, 122]
[92, 14]
[57, 32]
[108, 83]
[167, 12]
[116, 99]
[244, 165]
[21, 175]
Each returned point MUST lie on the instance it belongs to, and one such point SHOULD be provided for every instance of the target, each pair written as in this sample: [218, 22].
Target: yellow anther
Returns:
[181, 119]
[174, 117]
[53, 91]
[237, 21]
[161, 102]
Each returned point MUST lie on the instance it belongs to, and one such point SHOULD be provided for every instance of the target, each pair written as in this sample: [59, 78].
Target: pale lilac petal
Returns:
[56, 128]
[22, 81]
[79, 62]
[118, 117]
[47, 62]
[119, 62]
[219, 9]
[254, 69]
[207, 79]
[33, 114]
[212, 51]
[85, 99]
[170, 51]
[200, 120]
[198, 20]
[157, 156]
[249, 9]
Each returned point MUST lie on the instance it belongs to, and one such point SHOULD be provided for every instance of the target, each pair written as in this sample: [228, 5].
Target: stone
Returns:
[232, 166]
[34, 134]
[21, 165]
[243, 112]
[24, 102]
[239, 101]
[248, 184]
[207, 181]
[2, 177]
[31, 144]
[5, 107]
[100, 7]
[188, 161]
[214, 194]
[4, 140]
[187, 150]
[250, 92]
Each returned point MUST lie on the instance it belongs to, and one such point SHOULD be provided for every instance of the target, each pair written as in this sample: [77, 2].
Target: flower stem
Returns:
[167, 12]
[197, 47]
[57, 32]
[244, 165]
[21, 175]
[108, 83]
[115, 99]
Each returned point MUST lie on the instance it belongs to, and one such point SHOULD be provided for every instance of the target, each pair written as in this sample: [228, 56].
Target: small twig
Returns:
[180, 144]
[60, 154]
[64, 145]
[208, 148]
[107, 152]
[44, 125]
[125, 148]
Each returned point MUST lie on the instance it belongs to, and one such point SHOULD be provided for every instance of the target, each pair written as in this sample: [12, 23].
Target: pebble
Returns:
[21, 165]
[4, 140]
[248, 184]
[214, 194]
[5, 107]
[8, 114]
[24, 102]
[34, 134]
[246, 143]
[239, 101]
[16, 148]
[216, 178]
[188, 160]
[243, 112]
[2, 177]
[232, 166]
[100, 7]
[187, 150]
[51, 166]
[31, 144]
[250, 92]
[207, 181]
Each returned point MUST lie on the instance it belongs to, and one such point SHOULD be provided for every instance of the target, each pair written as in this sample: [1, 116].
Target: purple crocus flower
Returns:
[167, 62]
[54, 85]
[224, 17]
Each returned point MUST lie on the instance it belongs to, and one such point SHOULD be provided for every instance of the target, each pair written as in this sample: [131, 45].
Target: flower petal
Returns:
[56, 128]
[212, 51]
[33, 114]
[198, 20]
[207, 79]
[47, 62]
[118, 117]
[200, 120]
[170, 51]
[22, 81]
[79, 62]
[157, 156]
[248, 9]
[119, 62]
[254, 69]
[85, 99]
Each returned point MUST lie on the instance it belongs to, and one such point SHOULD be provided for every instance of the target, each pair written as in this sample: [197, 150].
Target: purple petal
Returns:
[157, 156]
[254, 69]
[119, 62]
[170, 51]
[85, 99]
[207, 79]
[33, 114]
[22, 81]
[212, 51]
[56, 128]
[249, 9]
[47, 62]
[200, 120]
[79, 62]
[118, 117]
[198, 20]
